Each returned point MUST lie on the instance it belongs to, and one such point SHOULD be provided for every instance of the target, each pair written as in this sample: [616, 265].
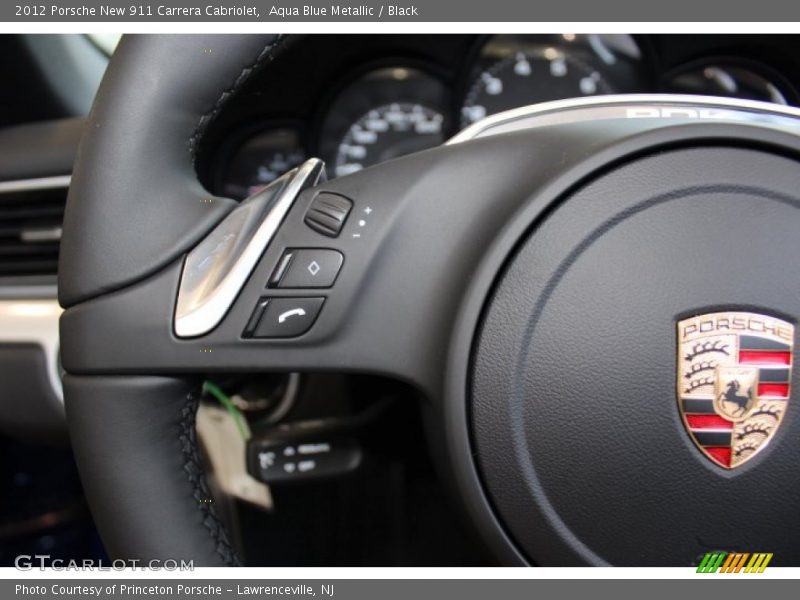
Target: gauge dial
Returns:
[530, 77]
[726, 80]
[386, 132]
[514, 71]
[382, 115]
[260, 159]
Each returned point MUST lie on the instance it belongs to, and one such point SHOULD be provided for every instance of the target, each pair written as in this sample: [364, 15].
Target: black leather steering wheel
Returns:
[527, 278]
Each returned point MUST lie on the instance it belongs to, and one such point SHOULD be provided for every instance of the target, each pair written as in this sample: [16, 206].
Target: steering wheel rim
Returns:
[167, 110]
[131, 392]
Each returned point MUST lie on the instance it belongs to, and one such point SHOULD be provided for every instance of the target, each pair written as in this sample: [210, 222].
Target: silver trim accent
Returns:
[627, 106]
[30, 185]
[29, 291]
[29, 313]
[41, 236]
[34, 321]
[218, 267]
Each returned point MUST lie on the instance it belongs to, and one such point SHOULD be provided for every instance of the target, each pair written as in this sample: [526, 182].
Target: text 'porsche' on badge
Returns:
[734, 376]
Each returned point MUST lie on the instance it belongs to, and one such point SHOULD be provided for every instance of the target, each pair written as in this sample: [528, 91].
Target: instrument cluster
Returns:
[402, 106]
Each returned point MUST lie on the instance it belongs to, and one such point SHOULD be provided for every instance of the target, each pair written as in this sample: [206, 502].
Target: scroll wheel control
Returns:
[327, 213]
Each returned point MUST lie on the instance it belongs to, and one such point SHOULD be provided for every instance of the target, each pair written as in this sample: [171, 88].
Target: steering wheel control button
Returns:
[287, 317]
[307, 268]
[215, 271]
[327, 213]
[277, 461]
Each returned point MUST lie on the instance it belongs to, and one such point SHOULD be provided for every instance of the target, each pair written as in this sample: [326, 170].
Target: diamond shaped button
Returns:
[307, 268]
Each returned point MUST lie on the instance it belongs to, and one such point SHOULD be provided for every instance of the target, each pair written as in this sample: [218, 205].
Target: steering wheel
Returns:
[534, 278]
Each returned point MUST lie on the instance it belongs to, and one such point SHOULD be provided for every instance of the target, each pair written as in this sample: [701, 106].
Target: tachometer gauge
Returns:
[515, 71]
[382, 115]
[386, 132]
[259, 159]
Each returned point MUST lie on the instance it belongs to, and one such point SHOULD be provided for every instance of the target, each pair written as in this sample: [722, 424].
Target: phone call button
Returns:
[288, 317]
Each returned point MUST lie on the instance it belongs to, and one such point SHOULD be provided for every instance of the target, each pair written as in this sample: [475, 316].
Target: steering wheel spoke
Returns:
[376, 291]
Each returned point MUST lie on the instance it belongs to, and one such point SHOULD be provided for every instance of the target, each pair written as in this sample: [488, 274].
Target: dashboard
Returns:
[374, 98]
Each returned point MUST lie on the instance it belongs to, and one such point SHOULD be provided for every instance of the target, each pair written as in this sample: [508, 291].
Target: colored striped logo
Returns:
[734, 381]
[734, 562]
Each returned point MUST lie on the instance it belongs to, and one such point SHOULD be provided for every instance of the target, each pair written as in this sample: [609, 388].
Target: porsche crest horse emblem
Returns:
[734, 375]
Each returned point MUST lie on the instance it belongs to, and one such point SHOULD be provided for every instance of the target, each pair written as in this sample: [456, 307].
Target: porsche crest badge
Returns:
[734, 375]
